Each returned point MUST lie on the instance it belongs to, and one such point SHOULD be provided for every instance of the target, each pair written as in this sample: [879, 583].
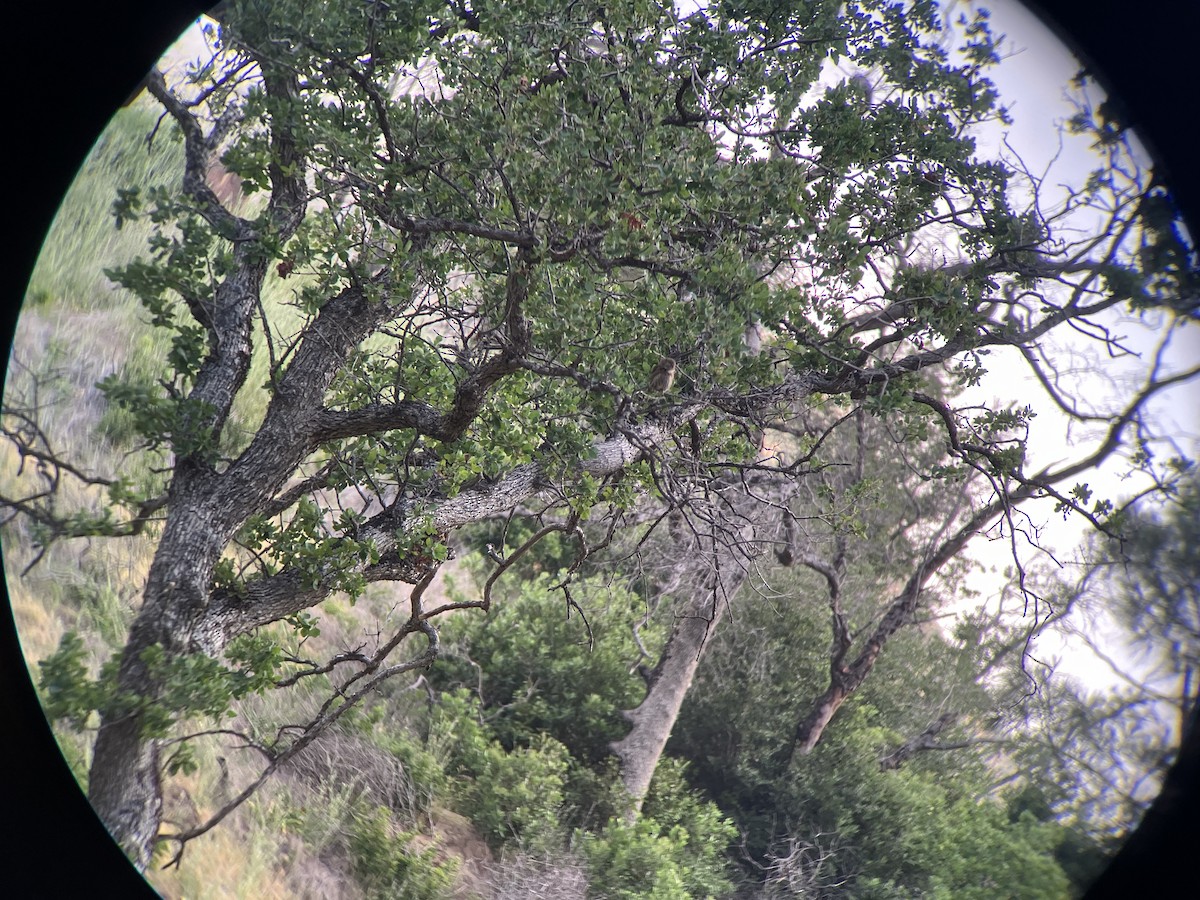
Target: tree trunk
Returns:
[653, 719]
[124, 783]
[724, 571]
[124, 787]
[812, 726]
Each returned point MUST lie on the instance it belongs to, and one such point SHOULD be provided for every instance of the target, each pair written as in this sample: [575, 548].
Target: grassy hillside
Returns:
[368, 812]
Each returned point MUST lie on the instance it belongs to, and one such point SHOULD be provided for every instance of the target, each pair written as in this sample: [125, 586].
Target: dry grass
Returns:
[365, 772]
[518, 877]
[227, 863]
[256, 852]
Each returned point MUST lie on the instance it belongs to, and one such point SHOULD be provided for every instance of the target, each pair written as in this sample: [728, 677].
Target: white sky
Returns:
[1032, 82]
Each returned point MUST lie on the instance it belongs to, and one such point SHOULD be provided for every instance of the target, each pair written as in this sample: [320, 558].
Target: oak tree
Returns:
[492, 223]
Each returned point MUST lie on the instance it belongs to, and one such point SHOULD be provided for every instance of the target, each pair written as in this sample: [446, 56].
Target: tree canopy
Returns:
[419, 287]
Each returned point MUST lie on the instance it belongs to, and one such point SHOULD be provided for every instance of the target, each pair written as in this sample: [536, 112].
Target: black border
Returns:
[78, 66]
[71, 67]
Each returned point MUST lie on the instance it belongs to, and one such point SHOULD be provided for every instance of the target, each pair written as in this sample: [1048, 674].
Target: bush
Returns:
[387, 865]
[635, 862]
[679, 810]
[516, 795]
[676, 849]
[512, 796]
[531, 662]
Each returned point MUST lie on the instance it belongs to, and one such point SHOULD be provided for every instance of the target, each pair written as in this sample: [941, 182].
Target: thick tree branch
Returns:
[198, 150]
[926, 740]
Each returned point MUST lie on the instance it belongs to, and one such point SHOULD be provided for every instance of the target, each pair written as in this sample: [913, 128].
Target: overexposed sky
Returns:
[1033, 81]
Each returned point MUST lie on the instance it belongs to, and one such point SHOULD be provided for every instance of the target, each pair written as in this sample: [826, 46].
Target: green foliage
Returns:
[1081, 856]
[694, 823]
[302, 546]
[676, 849]
[512, 796]
[630, 862]
[302, 543]
[190, 685]
[388, 864]
[426, 770]
[536, 670]
[590, 189]
[517, 797]
[161, 420]
[913, 832]
[67, 690]
[976, 853]
[923, 833]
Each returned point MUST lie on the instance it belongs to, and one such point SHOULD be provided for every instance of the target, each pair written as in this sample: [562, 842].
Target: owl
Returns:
[662, 377]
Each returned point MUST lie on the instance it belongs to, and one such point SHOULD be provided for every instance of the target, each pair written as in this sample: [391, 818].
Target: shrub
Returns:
[635, 862]
[512, 796]
[388, 865]
[531, 662]
[676, 849]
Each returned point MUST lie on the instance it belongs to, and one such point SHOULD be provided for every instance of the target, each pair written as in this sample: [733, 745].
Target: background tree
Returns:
[877, 807]
[1149, 584]
[577, 183]
[1098, 757]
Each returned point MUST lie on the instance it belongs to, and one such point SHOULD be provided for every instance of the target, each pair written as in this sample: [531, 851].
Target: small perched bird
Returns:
[662, 377]
[864, 86]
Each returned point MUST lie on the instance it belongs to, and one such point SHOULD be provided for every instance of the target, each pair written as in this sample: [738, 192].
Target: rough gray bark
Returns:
[182, 613]
[209, 500]
[206, 506]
